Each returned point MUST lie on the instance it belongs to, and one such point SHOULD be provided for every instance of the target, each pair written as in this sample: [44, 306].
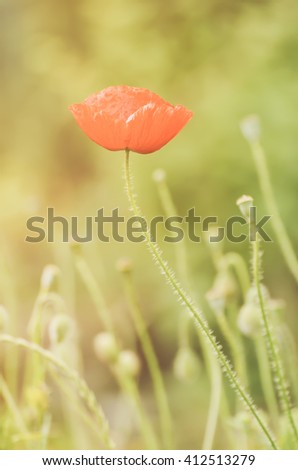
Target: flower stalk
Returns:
[213, 370]
[272, 346]
[195, 312]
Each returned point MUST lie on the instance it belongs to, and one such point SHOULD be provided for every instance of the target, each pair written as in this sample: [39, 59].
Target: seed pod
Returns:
[249, 320]
[49, 276]
[129, 363]
[60, 328]
[105, 347]
[251, 128]
[186, 364]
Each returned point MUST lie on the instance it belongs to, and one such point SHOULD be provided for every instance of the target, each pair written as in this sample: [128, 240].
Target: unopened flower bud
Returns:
[252, 295]
[124, 265]
[250, 128]
[224, 289]
[129, 363]
[216, 301]
[186, 364]
[60, 328]
[105, 347]
[249, 320]
[49, 276]
[245, 203]
[4, 319]
[159, 175]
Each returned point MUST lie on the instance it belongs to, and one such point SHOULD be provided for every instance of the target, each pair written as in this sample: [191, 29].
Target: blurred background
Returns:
[223, 59]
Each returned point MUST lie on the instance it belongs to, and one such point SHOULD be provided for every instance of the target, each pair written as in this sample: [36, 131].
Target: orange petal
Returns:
[100, 127]
[153, 126]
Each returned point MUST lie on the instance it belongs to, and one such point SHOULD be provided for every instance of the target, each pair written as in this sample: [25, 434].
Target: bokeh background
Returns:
[223, 59]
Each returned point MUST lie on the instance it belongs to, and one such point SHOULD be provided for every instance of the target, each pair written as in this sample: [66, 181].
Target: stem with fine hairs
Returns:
[194, 311]
[152, 361]
[272, 346]
[213, 369]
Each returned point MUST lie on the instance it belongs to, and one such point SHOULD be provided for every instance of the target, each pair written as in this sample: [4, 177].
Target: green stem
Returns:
[82, 388]
[277, 223]
[213, 369]
[195, 313]
[215, 399]
[237, 262]
[152, 361]
[266, 380]
[235, 347]
[272, 346]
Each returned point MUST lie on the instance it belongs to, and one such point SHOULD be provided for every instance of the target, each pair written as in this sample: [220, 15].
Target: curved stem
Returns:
[236, 261]
[82, 388]
[272, 346]
[214, 404]
[195, 313]
[277, 223]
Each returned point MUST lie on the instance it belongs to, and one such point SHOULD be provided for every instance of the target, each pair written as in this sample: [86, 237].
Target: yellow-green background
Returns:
[222, 59]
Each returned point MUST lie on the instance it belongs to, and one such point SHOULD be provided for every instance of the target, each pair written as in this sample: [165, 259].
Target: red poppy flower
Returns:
[124, 117]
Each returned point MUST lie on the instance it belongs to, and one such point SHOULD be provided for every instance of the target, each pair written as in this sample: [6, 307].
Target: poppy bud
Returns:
[250, 128]
[224, 289]
[124, 265]
[245, 203]
[186, 364]
[49, 276]
[129, 363]
[249, 320]
[105, 347]
[60, 328]
[252, 295]
[159, 175]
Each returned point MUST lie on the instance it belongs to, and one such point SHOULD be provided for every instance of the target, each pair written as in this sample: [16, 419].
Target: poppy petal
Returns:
[120, 102]
[154, 125]
[102, 128]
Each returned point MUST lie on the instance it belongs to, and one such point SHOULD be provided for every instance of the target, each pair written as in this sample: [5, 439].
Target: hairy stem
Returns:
[272, 347]
[195, 313]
